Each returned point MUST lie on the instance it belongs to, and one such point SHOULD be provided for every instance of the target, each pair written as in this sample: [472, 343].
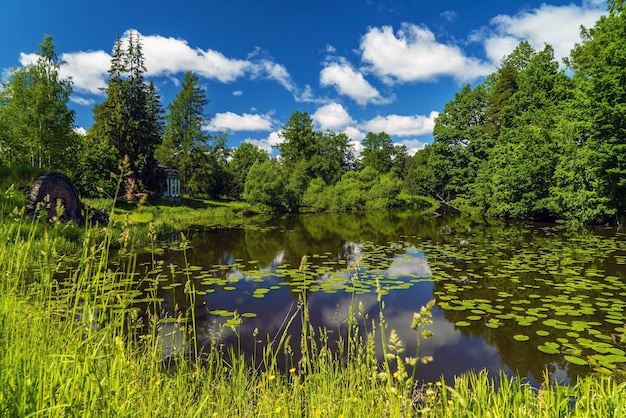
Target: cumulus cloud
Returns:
[233, 122]
[355, 133]
[88, 70]
[558, 26]
[267, 144]
[167, 55]
[413, 54]
[27, 59]
[412, 145]
[349, 82]
[397, 125]
[332, 116]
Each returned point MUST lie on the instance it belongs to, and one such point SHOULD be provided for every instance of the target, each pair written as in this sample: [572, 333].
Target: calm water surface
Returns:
[518, 297]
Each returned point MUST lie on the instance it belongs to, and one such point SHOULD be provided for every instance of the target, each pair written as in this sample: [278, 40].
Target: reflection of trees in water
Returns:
[492, 258]
[515, 269]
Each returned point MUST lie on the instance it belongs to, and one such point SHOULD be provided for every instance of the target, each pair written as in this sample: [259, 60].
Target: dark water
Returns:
[518, 297]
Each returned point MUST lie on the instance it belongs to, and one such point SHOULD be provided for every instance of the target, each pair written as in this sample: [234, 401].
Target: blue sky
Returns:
[354, 66]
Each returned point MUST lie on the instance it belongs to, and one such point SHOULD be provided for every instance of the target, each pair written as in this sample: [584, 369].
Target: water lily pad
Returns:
[548, 350]
[521, 337]
[576, 360]
[462, 324]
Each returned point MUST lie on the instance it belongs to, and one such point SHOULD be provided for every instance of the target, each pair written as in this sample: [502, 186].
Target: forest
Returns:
[536, 139]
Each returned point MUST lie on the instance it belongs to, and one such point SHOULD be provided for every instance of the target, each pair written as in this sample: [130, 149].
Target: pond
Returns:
[518, 297]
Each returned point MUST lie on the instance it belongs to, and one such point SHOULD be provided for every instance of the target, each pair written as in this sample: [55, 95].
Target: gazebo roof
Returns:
[173, 173]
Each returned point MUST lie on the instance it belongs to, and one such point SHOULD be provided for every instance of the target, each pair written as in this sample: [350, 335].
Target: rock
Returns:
[96, 216]
[52, 190]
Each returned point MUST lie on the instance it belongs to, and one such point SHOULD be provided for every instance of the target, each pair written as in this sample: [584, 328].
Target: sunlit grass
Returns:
[73, 343]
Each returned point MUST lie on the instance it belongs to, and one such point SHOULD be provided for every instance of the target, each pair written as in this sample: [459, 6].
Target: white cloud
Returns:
[307, 95]
[449, 15]
[355, 134]
[277, 72]
[349, 82]
[594, 4]
[88, 70]
[268, 143]
[27, 59]
[82, 101]
[232, 122]
[237, 93]
[558, 26]
[332, 116]
[498, 47]
[397, 125]
[80, 130]
[166, 56]
[413, 54]
[412, 145]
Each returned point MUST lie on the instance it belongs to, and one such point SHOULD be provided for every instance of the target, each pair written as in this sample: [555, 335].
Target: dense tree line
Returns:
[132, 135]
[532, 141]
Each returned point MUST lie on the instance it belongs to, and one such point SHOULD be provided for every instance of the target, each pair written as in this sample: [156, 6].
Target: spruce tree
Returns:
[131, 118]
[184, 142]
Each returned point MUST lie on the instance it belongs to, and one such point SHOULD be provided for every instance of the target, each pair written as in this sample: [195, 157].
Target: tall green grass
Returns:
[74, 343]
[19, 176]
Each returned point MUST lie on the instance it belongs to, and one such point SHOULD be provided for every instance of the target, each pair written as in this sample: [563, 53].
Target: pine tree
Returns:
[184, 142]
[131, 118]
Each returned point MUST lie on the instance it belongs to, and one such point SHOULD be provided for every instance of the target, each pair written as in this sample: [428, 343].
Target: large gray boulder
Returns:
[52, 190]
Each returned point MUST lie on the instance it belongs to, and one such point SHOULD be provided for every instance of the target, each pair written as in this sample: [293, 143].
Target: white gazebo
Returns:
[172, 185]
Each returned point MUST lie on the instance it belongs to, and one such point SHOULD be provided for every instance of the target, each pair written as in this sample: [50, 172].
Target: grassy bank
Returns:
[165, 217]
[74, 343]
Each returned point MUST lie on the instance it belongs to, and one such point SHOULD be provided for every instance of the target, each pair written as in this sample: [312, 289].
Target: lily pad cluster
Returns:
[558, 292]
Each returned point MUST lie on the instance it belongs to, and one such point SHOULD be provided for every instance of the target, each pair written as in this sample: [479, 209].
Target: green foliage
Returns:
[523, 161]
[378, 152]
[96, 168]
[299, 140]
[19, 176]
[316, 195]
[130, 118]
[36, 125]
[461, 142]
[185, 146]
[243, 157]
[355, 191]
[384, 192]
[307, 154]
[265, 185]
[333, 156]
[419, 178]
[599, 63]
[531, 142]
[296, 182]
